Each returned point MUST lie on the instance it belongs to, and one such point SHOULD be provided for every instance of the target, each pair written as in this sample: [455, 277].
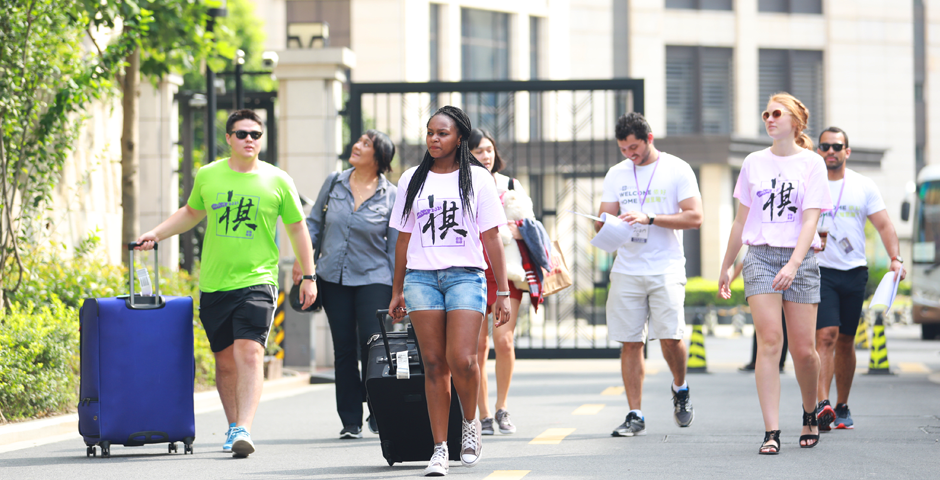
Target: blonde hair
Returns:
[800, 115]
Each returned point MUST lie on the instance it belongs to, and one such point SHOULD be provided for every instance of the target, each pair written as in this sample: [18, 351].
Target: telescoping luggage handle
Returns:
[401, 358]
[144, 303]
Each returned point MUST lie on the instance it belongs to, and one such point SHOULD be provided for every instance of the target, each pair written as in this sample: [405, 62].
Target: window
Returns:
[799, 72]
[699, 86]
[535, 98]
[701, 4]
[485, 56]
[790, 6]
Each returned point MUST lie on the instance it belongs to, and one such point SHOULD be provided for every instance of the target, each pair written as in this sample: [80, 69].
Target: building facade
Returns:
[708, 66]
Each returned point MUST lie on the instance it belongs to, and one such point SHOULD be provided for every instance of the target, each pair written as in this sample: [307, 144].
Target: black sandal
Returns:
[809, 419]
[773, 435]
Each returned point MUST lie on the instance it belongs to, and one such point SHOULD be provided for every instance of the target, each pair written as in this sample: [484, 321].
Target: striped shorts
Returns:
[763, 262]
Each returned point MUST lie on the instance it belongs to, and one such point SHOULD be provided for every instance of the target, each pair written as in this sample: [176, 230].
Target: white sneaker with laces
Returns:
[438, 467]
[242, 446]
[471, 444]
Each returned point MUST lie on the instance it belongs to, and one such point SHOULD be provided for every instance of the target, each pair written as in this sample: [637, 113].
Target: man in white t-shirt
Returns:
[657, 193]
[844, 272]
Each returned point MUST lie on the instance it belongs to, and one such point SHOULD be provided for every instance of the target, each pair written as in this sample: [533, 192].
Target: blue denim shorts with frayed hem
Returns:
[455, 288]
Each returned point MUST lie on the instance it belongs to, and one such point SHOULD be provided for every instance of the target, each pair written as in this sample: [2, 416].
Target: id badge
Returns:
[846, 245]
[641, 233]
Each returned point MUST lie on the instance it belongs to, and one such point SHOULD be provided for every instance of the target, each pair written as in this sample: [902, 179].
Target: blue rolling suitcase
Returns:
[137, 370]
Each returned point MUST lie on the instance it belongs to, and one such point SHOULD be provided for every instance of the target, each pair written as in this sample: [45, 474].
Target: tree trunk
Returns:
[130, 158]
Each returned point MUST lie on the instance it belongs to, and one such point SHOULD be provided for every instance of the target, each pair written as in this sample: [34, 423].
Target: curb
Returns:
[34, 432]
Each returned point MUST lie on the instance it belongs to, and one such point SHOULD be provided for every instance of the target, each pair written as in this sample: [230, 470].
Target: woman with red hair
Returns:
[782, 190]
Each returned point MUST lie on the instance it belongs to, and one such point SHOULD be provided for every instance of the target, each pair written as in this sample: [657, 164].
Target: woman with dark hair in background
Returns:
[356, 265]
[781, 190]
[483, 147]
[446, 211]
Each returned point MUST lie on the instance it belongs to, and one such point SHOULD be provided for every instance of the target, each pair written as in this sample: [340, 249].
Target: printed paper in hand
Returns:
[886, 291]
[613, 234]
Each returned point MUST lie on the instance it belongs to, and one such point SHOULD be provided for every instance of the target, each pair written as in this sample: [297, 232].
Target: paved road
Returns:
[897, 433]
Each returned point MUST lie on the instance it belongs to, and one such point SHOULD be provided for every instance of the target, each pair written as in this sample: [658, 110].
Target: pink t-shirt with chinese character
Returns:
[777, 190]
[443, 235]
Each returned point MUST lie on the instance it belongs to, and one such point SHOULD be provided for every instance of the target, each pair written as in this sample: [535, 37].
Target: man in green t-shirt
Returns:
[242, 198]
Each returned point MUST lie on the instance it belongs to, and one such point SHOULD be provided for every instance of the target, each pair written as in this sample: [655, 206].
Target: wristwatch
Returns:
[898, 258]
[312, 278]
[652, 217]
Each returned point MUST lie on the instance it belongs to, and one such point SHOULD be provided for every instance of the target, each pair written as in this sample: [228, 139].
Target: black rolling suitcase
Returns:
[397, 399]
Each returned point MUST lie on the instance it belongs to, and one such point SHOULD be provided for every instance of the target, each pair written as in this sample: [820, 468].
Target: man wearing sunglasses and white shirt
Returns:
[844, 272]
[242, 198]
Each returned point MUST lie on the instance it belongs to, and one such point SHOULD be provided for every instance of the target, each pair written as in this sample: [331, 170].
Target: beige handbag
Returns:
[559, 278]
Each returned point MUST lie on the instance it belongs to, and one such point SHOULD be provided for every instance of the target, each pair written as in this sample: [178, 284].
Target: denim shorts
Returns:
[455, 288]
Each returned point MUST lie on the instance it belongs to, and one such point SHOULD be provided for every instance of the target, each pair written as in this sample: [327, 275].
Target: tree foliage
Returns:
[46, 79]
[56, 56]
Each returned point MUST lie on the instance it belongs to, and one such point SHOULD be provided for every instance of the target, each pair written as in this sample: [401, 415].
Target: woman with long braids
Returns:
[445, 206]
[782, 190]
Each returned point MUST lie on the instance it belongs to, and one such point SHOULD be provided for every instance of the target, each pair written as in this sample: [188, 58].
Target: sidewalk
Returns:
[32, 433]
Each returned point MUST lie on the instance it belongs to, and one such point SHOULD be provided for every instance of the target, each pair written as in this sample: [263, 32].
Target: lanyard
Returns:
[647, 191]
[835, 211]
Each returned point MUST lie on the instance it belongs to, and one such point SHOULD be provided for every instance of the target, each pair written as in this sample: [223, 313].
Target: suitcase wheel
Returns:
[188, 449]
[390, 463]
[106, 449]
[171, 448]
[91, 451]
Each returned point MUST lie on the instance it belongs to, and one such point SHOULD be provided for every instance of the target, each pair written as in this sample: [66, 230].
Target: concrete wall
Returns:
[932, 83]
[88, 196]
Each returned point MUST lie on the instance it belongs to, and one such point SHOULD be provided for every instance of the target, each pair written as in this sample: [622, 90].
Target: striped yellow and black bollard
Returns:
[878, 364]
[697, 363]
[862, 342]
[278, 320]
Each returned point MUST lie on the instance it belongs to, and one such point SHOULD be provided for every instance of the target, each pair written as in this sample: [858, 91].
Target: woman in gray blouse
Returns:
[356, 264]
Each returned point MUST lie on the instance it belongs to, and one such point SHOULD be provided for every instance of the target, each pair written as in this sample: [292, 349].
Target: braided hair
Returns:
[464, 161]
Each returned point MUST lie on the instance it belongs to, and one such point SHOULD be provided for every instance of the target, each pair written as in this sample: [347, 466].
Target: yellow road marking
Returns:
[588, 409]
[507, 474]
[913, 367]
[613, 391]
[552, 436]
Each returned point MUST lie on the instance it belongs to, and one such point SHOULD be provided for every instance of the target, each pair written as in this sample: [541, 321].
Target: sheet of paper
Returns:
[592, 217]
[613, 234]
[885, 293]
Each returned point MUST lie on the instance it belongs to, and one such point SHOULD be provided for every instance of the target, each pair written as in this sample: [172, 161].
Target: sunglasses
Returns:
[836, 147]
[776, 114]
[242, 134]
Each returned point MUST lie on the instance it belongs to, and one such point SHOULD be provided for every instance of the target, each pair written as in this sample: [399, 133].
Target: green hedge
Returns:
[38, 359]
[59, 285]
[699, 292]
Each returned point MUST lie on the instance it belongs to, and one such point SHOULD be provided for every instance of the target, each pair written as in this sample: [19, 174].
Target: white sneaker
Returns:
[242, 446]
[471, 448]
[437, 467]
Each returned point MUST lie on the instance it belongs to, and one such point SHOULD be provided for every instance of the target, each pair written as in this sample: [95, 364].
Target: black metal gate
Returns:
[558, 140]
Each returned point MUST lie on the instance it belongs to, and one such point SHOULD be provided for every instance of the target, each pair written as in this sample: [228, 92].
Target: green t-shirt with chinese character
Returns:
[238, 249]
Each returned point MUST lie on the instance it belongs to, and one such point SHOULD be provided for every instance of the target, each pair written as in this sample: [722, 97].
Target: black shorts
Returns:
[244, 313]
[842, 294]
